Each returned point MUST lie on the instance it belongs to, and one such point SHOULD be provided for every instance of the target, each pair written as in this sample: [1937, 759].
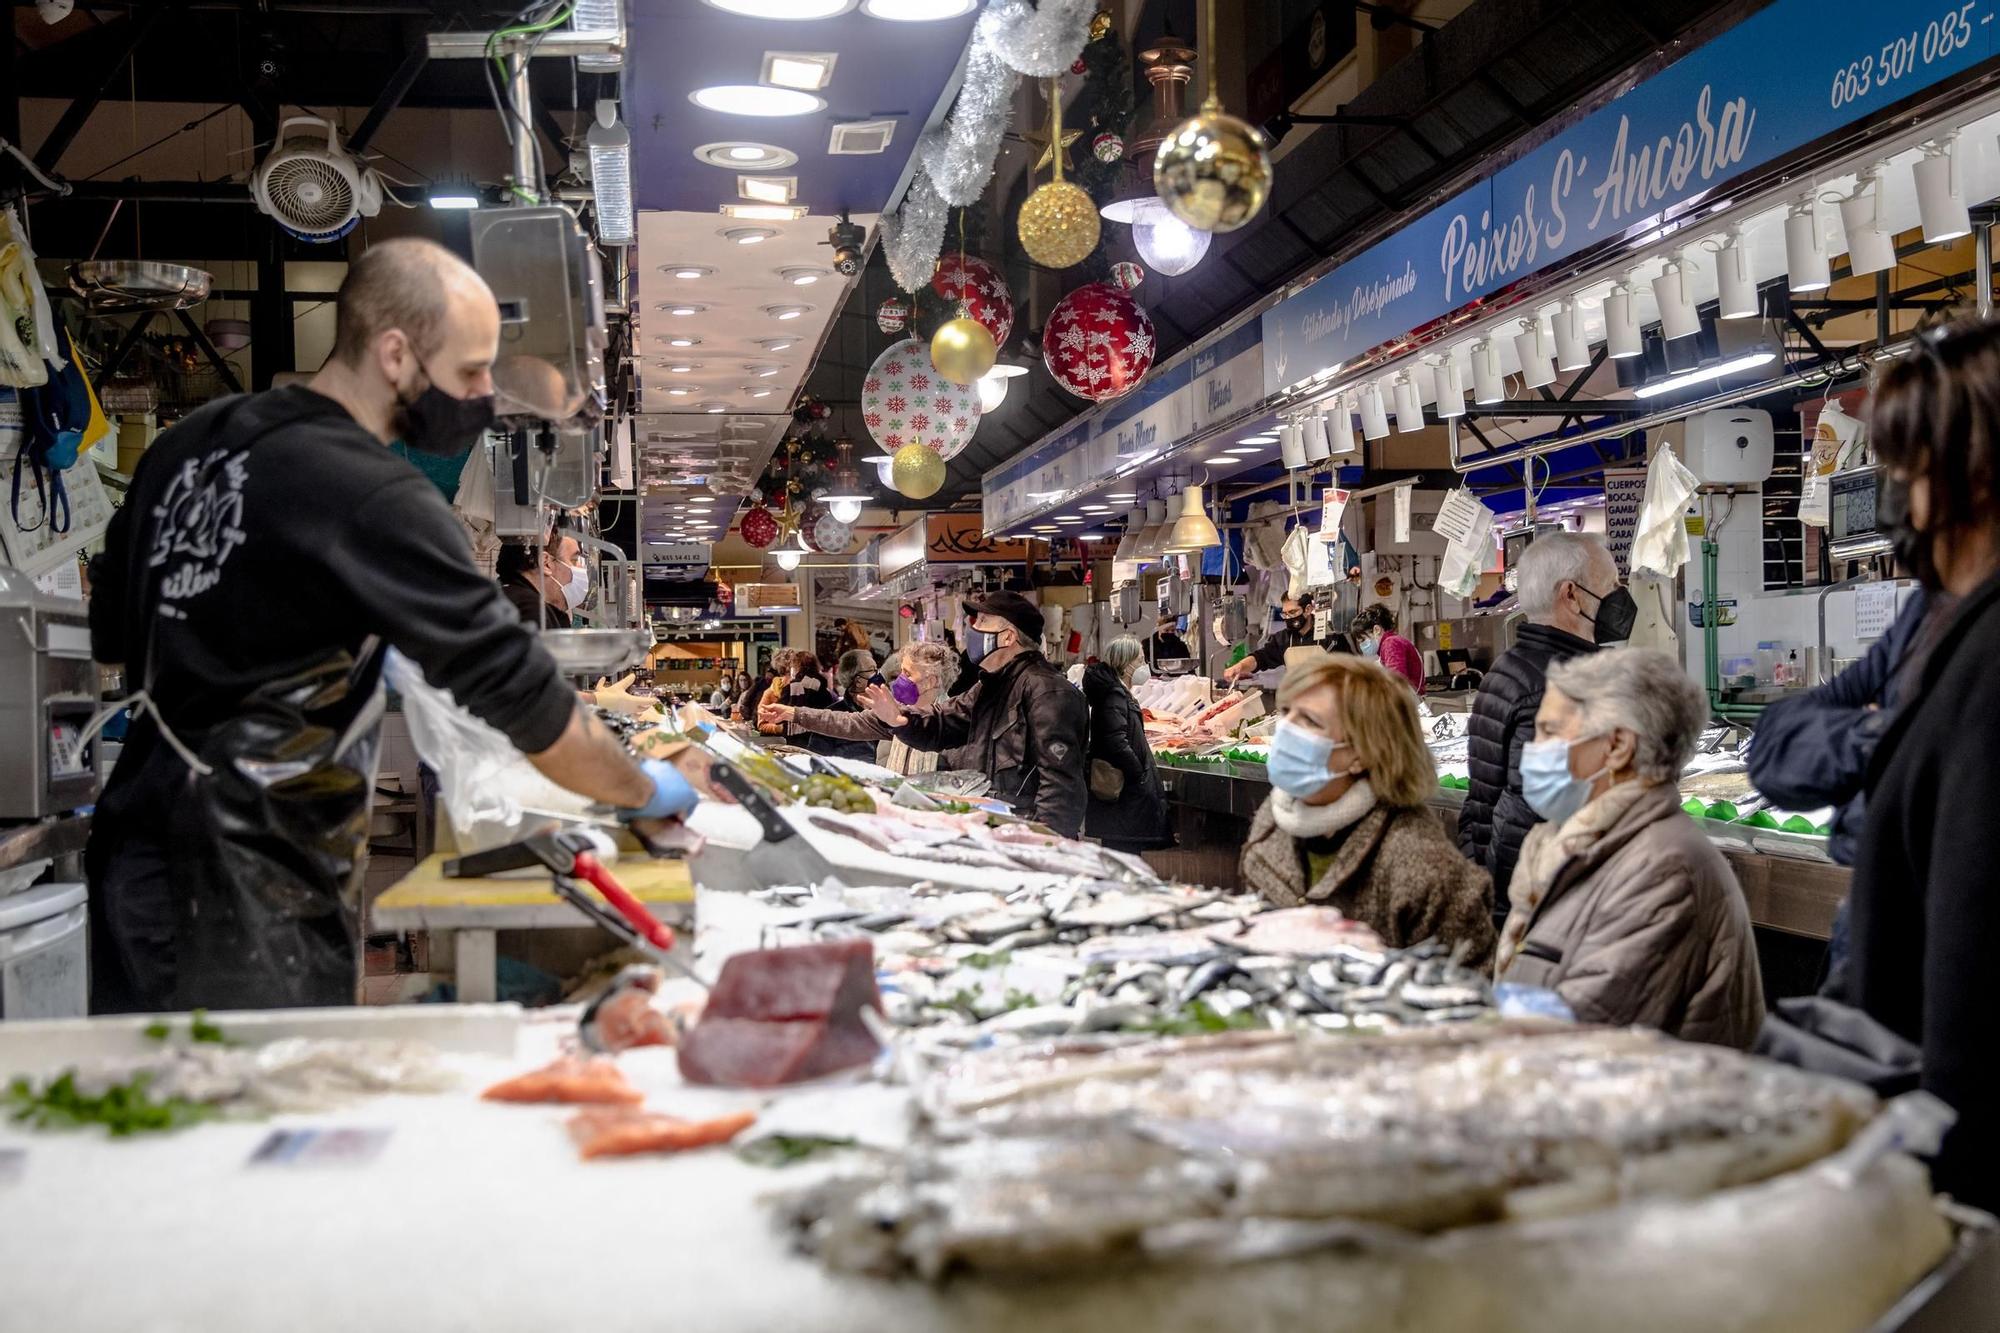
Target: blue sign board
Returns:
[1783, 77]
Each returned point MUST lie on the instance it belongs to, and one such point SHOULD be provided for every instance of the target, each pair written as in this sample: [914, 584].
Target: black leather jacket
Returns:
[1026, 726]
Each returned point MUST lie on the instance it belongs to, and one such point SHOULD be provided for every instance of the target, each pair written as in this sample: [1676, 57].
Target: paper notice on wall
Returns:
[1322, 622]
[1463, 519]
[1624, 495]
[1403, 514]
[1465, 561]
[1330, 512]
[1874, 609]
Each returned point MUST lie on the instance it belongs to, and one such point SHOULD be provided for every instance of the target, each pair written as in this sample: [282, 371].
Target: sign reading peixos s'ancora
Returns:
[1784, 77]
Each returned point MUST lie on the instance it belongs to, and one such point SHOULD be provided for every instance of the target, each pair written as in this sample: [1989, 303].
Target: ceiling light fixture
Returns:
[1869, 248]
[786, 311]
[1621, 322]
[992, 391]
[610, 145]
[1673, 292]
[1374, 416]
[916, 11]
[748, 235]
[1168, 245]
[680, 391]
[785, 10]
[1292, 446]
[1194, 530]
[776, 344]
[1572, 348]
[801, 277]
[1251, 451]
[755, 99]
[745, 155]
[1313, 440]
[1450, 387]
[1409, 405]
[680, 370]
[686, 272]
[682, 341]
[1339, 426]
[453, 194]
[1733, 366]
[1807, 266]
[1736, 287]
[682, 310]
[764, 212]
[1488, 384]
[1941, 191]
[768, 189]
[809, 70]
[1538, 367]
[1128, 545]
[1221, 460]
[760, 393]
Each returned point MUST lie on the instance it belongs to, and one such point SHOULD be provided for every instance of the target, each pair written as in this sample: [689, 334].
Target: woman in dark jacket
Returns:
[1925, 910]
[1136, 819]
[855, 671]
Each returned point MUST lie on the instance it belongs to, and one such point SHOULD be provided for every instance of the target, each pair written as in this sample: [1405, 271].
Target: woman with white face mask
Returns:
[1345, 824]
[1128, 806]
[1620, 904]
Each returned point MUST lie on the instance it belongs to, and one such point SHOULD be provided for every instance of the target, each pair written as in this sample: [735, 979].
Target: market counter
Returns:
[1213, 803]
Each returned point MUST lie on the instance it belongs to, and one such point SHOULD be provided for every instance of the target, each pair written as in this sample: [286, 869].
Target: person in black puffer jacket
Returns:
[1566, 580]
[1136, 820]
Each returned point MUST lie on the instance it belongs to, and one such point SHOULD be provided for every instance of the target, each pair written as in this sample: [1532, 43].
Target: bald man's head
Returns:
[407, 284]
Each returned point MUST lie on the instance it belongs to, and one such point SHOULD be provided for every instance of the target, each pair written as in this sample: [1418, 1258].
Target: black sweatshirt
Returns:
[272, 531]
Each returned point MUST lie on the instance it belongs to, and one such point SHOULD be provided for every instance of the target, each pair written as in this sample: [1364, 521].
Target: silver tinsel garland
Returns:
[954, 162]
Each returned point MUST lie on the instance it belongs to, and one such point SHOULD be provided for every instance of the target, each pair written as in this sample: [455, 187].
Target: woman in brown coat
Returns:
[1620, 904]
[1345, 824]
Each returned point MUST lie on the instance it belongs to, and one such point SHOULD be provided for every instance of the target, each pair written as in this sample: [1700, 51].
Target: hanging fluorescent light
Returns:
[453, 194]
[1488, 384]
[1168, 245]
[1572, 348]
[1807, 266]
[1673, 290]
[610, 145]
[1409, 405]
[1292, 445]
[1374, 417]
[1941, 191]
[1194, 530]
[1733, 280]
[1339, 427]
[1538, 368]
[1128, 545]
[1450, 388]
[1318, 448]
[605, 17]
[1733, 366]
[1621, 321]
[1869, 248]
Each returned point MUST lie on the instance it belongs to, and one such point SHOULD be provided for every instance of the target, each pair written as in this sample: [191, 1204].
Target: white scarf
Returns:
[1317, 821]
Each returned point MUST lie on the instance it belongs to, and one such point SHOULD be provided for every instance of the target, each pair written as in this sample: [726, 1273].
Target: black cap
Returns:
[1013, 608]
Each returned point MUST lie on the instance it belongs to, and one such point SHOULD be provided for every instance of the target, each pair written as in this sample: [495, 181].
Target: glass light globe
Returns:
[883, 463]
[844, 510]
[787, 560]
[992, 391]
[1170, 246]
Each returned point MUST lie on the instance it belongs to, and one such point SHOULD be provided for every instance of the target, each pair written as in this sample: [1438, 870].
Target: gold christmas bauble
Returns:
[1058, 224]
[1213, 172]
[917, 471]
[1100, 25]
[962, 350]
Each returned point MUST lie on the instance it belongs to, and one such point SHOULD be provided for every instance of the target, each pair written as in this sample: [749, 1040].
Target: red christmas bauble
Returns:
[1107, 147]
[1077, 66]
[893, 315]
[1098, 343]
[760, 529]
[979, 287]
[1125, 275]
[820, 411]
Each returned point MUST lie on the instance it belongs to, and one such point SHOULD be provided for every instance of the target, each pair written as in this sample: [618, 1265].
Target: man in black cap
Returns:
[1022, 722]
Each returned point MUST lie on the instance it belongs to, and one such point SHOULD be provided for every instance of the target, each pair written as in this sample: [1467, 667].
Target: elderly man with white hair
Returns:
[1569, 592]
[1621, 904]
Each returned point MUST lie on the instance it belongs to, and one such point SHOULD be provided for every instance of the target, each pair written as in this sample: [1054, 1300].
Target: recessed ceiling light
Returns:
[1258, 439]
[745, 155]
[1069, 518]
[680, 370]
[1045, 527]
[1220, 459]
[760, 393]
[915, 11]
[716, 409]
[679, 392]
[1254, 449]
[763, 372]
[754, 99]
[810, 70]
[1123, 495]
[681, 342]
[801, 277]
[701, 501]
[784, 9]
[686, 271]
[682, 309]
[776, 344]
[765, 212]
[786, 311]
[748, 235]
[768, 189]
[1095, 509]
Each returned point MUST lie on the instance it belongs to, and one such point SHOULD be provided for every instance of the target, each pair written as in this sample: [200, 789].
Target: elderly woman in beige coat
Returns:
[1345, 823]
[1620, 904]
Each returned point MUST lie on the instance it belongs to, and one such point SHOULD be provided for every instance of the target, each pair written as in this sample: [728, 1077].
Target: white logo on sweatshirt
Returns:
[197, 524]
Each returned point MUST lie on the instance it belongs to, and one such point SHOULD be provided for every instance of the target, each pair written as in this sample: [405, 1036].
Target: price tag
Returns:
[1329, 518]
[315, 1147]
[1322, 622]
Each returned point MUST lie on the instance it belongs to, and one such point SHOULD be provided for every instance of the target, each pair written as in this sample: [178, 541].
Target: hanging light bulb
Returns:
[1169, 246]
[1807, 266]
[992, 391]
[1488, 384]
[1621, 321]
[1736, 286]
[1194, 530]
[1941, 191]
[788, 557]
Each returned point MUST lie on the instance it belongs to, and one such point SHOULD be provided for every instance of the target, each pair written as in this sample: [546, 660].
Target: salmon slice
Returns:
[582, 1081]
[623, 1132]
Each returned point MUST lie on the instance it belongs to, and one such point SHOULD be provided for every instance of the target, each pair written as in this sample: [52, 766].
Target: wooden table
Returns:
[473, 910]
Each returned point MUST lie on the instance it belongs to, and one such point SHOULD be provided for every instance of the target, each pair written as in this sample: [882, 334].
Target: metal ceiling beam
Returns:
[1555, 407]
[78, 111]
[392, 95]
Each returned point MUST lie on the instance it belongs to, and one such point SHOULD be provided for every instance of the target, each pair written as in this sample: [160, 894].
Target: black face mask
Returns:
[1616, 612]
[1911, 545]
[1297, 624]
[438, 423]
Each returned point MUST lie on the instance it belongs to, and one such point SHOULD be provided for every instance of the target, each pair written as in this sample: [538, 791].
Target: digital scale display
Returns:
[1851, 504]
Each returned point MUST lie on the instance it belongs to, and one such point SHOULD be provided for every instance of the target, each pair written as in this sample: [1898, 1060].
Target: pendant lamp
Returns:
[1194, 530]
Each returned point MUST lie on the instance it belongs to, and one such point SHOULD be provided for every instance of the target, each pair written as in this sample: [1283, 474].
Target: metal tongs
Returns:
[571, 856]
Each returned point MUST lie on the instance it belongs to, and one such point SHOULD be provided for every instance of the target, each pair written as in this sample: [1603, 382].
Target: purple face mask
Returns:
[904, 690]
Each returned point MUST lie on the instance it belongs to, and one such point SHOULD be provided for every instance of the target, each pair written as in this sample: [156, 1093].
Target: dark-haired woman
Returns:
[1926, 909]
[1374, 635]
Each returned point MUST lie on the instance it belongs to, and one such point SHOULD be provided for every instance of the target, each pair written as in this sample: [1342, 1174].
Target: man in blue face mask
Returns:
[1022, 722]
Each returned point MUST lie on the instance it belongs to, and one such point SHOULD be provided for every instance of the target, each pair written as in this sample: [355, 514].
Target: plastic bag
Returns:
[492, 794]
[1661, 543]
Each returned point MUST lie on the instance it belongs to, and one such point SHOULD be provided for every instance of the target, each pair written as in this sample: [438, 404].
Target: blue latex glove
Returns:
[673, 795]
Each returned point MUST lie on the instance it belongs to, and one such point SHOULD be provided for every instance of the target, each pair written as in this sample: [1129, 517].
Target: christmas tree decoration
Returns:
[1100, 25]
[759, 528]
[1107, 147]
[831, 535]
[893, 315]
[904, 400]
[918, 472]
[978, 288]
[1213, 171]
[1077, 66]
[963, 350]
[1058, 222]
[1126, 275]
[1099, 343]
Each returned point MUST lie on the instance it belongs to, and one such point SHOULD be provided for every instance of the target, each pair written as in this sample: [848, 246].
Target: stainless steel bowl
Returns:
[595, 652]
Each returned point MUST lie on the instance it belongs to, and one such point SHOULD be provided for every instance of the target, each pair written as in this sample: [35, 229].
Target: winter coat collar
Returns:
[1318, 821]
[1552, 641]
[1276, 859]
